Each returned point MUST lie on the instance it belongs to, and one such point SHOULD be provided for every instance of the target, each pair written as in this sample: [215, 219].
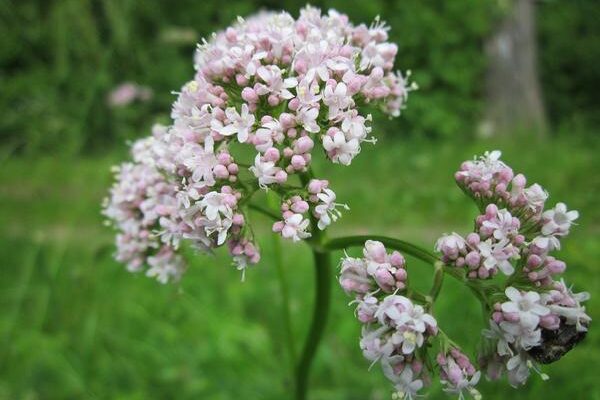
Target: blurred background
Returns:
[78, 79]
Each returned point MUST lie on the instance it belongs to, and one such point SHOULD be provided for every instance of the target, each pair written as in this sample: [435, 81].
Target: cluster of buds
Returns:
[457, 374]
[395, 329]
[539, 318]
[514, 233]
[280, 86]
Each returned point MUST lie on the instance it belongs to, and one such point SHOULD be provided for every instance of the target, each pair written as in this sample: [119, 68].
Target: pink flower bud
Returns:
[273, 100]
[249, 95]
[281, 176]
[241, 80]
[220, 171]
[233, 168]
[287, 120]
[292, 133]
[472, 259]
[238, 219]
[473, 239]
[293, 104]
[271, 154]
[300, 207]
[298, 162]
[397, 260]
[303, 145]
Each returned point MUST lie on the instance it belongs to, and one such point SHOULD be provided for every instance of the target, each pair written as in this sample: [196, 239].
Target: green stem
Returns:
[396, 244]
[401, 245]
[323, 275]
[284, 292]
[438, 281]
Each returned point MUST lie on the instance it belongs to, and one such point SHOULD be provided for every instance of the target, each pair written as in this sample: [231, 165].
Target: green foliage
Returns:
[569, 35]
[74, 324]
[60, 59]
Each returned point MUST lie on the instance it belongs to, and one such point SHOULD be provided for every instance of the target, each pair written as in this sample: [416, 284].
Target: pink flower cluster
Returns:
[515, 235]
[394, 327]
[282, 87]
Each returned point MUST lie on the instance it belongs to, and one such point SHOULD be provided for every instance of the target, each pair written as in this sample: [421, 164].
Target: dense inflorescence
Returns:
[280, 86]
[397, 329]
[533, 316]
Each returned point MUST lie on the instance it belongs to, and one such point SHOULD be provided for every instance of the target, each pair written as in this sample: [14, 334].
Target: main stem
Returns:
[320, 313]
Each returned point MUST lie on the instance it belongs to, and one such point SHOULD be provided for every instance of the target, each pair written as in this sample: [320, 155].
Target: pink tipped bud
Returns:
[397, 260]
[298, 162]
[224, 158]
[288, 153]
[292, 133]
[233, 168]
[293, 104]
[473, 239]
[472, 259]
[273, 100]
[220, 171]
[238, 219]
[303, 145]
[241, 80]
[315, 186]
[249, 95]
[281, 176]
[300, 207]
[287, 120]
[271, 154]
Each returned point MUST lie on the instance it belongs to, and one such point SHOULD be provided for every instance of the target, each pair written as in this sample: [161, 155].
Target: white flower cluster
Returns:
[280, 86]
[394, 328]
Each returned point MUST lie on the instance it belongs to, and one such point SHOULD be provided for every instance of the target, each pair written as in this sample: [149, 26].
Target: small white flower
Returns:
[451, 245]
[536, 197]
[527, 305]
[526, 337]
[502, 337]
[239, 123]
[406, 384]
[213, 204]
[354, 125]
[337, 99]
[546, 243]
[295, 228]
[502, 225]
[264, 171]
[326, 210]
[376, 344]
[307, 117]
[558, 221]
[308, 93]
[339, 149]
[497, 255]
[274, 82]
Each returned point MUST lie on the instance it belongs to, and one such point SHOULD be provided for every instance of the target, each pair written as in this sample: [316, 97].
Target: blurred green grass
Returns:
[75, 324]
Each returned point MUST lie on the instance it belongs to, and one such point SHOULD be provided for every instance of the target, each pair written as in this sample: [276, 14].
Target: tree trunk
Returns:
[514, 98]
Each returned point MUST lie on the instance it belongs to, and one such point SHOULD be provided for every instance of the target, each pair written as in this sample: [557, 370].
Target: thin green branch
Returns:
[323, 275]
[359, 240]
[284, 292]
[438, 281]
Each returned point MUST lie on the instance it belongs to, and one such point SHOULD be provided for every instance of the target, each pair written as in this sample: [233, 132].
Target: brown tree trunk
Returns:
[514, 98]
